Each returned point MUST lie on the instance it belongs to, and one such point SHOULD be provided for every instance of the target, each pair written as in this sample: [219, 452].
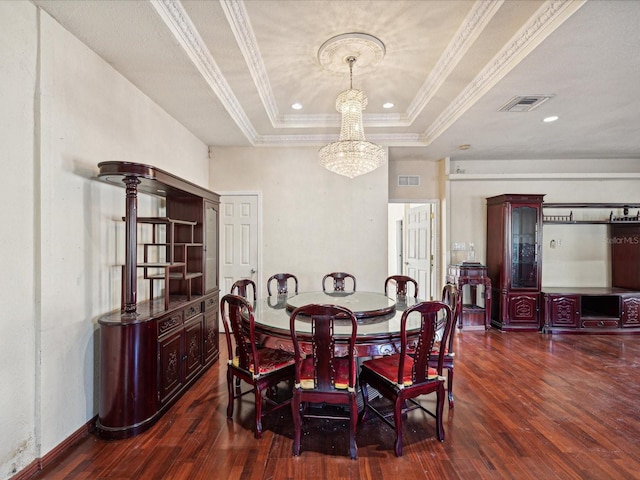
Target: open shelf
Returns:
[570, 219]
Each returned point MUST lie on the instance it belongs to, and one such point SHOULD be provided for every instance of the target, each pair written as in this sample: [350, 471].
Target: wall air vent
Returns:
[408, 180]
[524, 103]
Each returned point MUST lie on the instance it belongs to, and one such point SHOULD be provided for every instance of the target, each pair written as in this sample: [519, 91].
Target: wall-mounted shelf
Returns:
[570, 219]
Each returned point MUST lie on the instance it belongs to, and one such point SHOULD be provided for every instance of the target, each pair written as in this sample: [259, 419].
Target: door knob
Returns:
[253, 270]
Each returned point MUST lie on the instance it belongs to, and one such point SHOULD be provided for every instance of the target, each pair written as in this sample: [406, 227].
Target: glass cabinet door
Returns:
[524, 247]
[211, 246]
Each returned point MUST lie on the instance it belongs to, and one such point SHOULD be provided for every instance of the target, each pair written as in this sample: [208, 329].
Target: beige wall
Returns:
[18, 315]
[582, 257]
[428, 171]
[313, 221]
[63, 234]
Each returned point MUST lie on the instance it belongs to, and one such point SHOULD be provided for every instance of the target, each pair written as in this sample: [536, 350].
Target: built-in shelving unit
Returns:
[614, 309]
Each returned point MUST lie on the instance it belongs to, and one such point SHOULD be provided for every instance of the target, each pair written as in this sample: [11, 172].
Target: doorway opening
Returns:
[413, 244]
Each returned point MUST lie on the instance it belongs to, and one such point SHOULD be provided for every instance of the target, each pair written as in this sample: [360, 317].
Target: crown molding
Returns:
[184, 31]
[240, 24]
[546, 20]
[473, 25]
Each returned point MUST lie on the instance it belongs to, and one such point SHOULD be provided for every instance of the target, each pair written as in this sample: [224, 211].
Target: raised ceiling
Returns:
[229, 71]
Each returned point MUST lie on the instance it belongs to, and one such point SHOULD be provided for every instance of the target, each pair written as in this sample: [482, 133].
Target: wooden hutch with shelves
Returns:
[614, 309]
[152, 351]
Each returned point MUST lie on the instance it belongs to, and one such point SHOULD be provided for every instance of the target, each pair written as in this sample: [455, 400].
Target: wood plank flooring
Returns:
[527, 406]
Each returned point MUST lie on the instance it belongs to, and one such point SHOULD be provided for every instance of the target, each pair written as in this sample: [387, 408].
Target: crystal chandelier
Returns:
[352, 155]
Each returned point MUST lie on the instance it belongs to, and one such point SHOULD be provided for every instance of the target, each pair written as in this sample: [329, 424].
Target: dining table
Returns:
[378, 319]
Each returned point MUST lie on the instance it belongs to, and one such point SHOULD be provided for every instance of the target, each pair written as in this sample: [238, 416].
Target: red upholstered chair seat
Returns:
[269, 359]
[387, 367]
[341, 378]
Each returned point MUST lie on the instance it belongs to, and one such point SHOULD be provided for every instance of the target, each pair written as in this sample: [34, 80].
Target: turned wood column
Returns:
[131, 242]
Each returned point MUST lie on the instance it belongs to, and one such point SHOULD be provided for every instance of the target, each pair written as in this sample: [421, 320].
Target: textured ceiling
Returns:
[230, 70]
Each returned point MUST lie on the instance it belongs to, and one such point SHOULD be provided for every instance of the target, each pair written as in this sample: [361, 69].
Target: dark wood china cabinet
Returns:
[152, 351]
[514, 231]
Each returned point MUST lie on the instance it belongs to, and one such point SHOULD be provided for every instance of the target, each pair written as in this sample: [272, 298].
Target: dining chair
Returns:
[405, 376]
[323, 376]
[261, 367]
[401, 282]
[239, 287]
[282, 281]
[339, 281]
[450, 296]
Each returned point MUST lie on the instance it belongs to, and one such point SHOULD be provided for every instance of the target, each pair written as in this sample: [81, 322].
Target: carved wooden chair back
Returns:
[282, 283]
[402, 282]
[240, 287]
[404, 376]
[450, 296]
[260, 367]
[325, 372]
[339, 281]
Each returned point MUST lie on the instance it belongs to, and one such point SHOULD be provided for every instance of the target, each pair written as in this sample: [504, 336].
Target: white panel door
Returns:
[238, 240]
[420, 252]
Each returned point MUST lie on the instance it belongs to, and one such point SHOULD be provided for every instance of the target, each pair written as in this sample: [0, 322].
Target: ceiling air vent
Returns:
[408, 180]
[524, 103]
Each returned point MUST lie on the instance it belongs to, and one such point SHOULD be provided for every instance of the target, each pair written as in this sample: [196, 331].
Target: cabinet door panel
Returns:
[211, 246]
[193, 347]
[565, 311]
[524, 246]
[211, 351]
[171, 377]
[630, 312]
[523, 309]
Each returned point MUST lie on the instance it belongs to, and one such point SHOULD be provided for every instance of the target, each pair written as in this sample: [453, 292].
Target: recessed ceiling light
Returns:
[388, 105]
[550, 119]
[296, 106]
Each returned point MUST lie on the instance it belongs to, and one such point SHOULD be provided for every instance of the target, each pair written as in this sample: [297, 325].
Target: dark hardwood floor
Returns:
[527, 405]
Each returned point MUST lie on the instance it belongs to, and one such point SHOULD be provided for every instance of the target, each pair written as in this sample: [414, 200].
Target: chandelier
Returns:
[351, 155]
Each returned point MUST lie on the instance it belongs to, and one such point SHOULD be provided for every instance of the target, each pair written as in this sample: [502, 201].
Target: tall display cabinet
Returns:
[152, 351]
[514, 236]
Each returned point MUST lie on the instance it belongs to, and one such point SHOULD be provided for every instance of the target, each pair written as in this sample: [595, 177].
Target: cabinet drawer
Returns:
[192, 310]
[600, 323]
[169, 323]
[211, 303]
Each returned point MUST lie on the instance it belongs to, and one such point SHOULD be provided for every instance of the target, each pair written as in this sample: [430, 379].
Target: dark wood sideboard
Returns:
[152, 351]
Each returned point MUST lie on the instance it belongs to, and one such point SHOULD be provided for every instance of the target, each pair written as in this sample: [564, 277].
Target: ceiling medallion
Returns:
[351, 155]
[369, 51]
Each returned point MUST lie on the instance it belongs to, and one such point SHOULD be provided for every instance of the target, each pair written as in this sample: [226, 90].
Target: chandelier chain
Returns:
[351, 61]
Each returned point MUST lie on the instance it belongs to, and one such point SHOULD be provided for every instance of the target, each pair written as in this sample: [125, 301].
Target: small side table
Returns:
[474, 315]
